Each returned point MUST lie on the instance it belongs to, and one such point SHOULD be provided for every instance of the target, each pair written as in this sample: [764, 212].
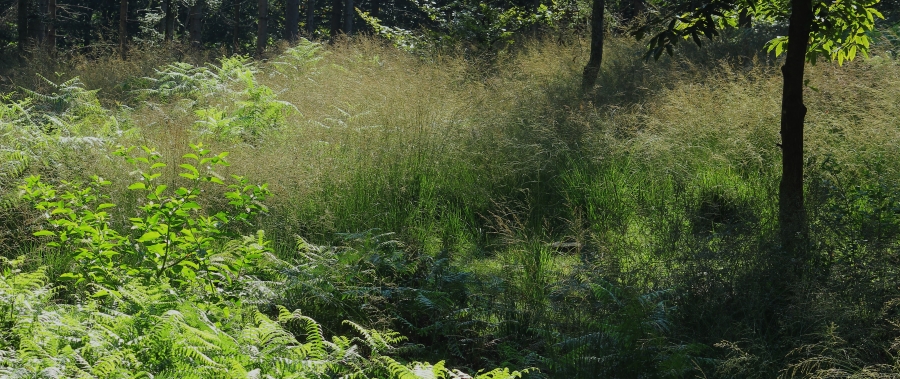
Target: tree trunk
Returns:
[589, 76]
[791, 211]
[123, 29]
[745, 20]
[336, 11]
[310, 17]
[349, 15]
[22, 23]
[51, 26]
[376, 8]
[38, 28]
[169, 23]
[236, 12]
[262, 33]
[196, 23]
[291, 20]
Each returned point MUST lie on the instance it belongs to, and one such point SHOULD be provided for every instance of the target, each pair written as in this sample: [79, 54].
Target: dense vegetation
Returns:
[359, 207]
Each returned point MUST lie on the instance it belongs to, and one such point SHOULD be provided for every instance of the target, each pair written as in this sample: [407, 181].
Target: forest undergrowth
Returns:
[352, 209]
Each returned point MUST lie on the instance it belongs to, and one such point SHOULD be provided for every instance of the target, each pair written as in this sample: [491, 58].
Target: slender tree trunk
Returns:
[36, 22]
[376, 8]
[169, 22]
[22, 23]
[196, 23]
[51, 26]
[745, 20]
[123, 29]
[336, 11]
[592, 69]
[236, 13]
[349, 15]
[792, 214]
[262, 35]
[310, 17]
[291, 19]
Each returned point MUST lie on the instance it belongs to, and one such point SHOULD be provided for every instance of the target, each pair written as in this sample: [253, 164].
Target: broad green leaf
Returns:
[149, 236]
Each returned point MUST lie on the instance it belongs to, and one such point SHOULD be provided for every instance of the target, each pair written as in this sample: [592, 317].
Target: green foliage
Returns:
[300, 58]
[174, 239]
[483, 27]
[228, 99]
[844, 30]
[173, 298]
[840, 29]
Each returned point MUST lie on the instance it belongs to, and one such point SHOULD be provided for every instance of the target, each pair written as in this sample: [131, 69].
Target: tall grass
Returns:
[627, 232]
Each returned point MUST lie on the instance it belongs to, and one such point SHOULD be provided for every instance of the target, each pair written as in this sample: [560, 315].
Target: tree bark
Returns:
[791, 212]
[22, 23]
[376, 8]
[592, 69]
[262, 32]
[745, 20]
[196, 24]
[310, 17]
[291, 20]
[51, 26]
[123, 29]
[336, 12]
[236, 13]
[36, 22]
[349, 13]
[169, 23]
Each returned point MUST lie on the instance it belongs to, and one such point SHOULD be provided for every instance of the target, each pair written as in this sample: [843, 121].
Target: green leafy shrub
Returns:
[169, 299]
[175, 239]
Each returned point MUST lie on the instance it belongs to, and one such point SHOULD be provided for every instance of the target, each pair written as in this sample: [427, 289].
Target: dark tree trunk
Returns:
[123, 29]
[291, 20]
[262, 32]
[376, 8]
[310, 17]
[169, 23]
[336, 11]
[745, 20]
[236, 28]
[196, 24]
[791, 211]
[36, 22]
[22, 23]
[589, 76]
[349, 15]
[51, 26]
